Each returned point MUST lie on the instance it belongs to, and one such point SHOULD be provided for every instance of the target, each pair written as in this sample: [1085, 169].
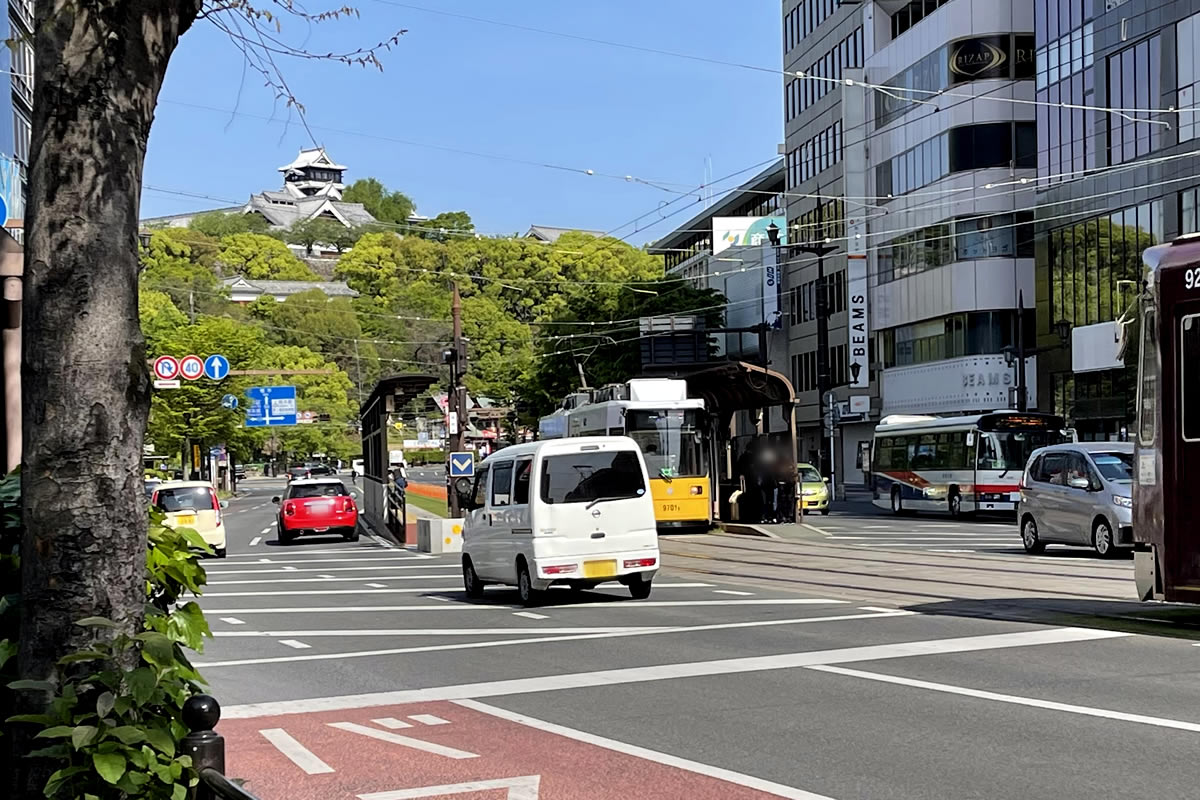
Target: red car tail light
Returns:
[348, 505]
[216, 504]
[289, 508]
[633, 563]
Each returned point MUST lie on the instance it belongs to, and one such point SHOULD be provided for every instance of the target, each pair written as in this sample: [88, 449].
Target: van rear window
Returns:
[583, 477]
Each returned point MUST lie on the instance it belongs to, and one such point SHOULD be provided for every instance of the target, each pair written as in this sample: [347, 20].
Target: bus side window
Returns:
[1189, 378]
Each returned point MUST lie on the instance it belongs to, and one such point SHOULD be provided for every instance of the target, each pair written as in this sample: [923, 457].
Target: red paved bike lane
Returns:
[443, 749]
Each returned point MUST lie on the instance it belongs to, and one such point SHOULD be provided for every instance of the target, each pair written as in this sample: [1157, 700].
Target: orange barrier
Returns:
[427, 490]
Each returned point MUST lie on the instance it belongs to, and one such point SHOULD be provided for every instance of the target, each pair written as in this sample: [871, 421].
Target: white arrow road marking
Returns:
[524, 788]
[406, 741]
[297, 753]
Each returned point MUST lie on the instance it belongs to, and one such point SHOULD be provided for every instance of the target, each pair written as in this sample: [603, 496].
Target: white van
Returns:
[565, 511]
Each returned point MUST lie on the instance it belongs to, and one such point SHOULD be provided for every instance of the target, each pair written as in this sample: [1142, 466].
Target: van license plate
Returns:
[185, 519]
[599, 569]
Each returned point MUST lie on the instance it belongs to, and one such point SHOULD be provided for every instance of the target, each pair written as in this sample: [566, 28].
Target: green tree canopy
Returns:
[258, 256]
[321, 230]
[385, 206]
[448, 225]
[219, 224]
[169, 265]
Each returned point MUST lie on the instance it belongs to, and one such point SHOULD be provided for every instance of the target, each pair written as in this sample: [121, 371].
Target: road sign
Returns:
[191, 367]
[216, 367]
[462, 465]
[166, 384]
[271, 406]
[229, 401]
[166, 368]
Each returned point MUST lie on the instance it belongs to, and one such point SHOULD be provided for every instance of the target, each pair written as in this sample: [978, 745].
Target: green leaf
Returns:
[83, 655]
[142, 682]
[59, 750]
[56, 780]
[110, 766]
[161, 741]
[83, 735]
[98, 622]
[44, 686]
[8, 649]
[188, 626]
[178, 792]
[104, 703]
[128, 734]
[157, 648]
[57, 732]
[39, 719]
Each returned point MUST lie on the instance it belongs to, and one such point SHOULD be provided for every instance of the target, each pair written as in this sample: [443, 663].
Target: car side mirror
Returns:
[275, 499]
[825, 479]
[1080, 483]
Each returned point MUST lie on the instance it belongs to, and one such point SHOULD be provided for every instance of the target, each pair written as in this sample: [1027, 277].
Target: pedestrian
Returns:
[354, 477]
[764, 479]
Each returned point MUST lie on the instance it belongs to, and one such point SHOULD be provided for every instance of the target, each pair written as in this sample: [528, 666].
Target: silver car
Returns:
[1080, 494]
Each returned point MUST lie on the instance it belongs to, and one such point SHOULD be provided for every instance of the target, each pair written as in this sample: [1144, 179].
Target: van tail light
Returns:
[216, 504]
[560, 569]
[289, 508]
[634, 563]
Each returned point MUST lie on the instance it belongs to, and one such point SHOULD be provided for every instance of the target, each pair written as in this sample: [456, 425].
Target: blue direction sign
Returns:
[271, 406]
[229, 401]
[462, 465]
[216, 367]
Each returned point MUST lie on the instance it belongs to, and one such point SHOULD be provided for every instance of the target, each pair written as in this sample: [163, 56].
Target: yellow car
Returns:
[192, 504]
[814, 490]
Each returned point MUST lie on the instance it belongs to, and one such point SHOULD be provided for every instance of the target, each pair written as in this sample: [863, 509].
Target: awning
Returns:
[738, 386]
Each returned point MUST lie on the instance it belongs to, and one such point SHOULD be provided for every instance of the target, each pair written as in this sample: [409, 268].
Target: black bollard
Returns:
[206, 747]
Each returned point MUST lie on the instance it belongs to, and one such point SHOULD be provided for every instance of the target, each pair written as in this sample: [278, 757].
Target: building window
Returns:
[817, 154]
[1087, 261]
[1066, 75]
[827, 70]
[913, 13]
[969, 147]
[22, 132]
[1134, 81]
[1187, 41]
[1189, 220]
[955, 336]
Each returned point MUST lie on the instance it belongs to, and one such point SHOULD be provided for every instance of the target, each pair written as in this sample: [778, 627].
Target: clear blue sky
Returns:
[489, 89]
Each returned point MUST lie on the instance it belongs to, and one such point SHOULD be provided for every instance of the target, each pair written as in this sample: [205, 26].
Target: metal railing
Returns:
[397, 511]
[201, 713]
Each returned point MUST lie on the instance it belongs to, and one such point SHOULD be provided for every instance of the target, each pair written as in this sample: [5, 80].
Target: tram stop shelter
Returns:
[381, 506]
[748, 405]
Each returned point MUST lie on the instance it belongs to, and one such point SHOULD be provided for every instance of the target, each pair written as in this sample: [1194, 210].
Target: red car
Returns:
[315, 506]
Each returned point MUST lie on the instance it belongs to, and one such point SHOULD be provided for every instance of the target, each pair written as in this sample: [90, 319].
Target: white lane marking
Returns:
[530, 615]
[295, 752]
[376, 585]
[381, 541]
[952, 551]
[310, 592]
[395, 738]
[232, 621]
[928, 537]
[733, 592]
[295, 645]
[524, 787]
[391, 723]
[266, 529]
[550, 639]
[815, 529]
[361, 549]
[264, 561]
[729, 776]
[645, 674]
[428, 719]
[213, 572]
[326, 578]
[444, 631]
[876, 608]
[802, 601]
[1069, 708]
[365, 559]
[998, 543]
[255, 540]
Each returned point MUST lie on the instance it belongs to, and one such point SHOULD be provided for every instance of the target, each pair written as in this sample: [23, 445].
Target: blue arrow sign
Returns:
[271, 406]
[216, 367]
[229, 401]
[462, 465]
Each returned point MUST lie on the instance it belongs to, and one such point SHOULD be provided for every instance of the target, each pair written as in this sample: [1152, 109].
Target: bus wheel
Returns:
[897, 503]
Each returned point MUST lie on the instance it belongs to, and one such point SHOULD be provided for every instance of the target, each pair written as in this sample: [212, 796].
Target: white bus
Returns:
[957, 464]
[670, 428]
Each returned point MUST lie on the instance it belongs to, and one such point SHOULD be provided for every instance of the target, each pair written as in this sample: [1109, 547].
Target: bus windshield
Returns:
[1009, 450]
[671, 442]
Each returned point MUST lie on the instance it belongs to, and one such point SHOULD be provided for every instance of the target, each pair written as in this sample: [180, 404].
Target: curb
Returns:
[746, 529]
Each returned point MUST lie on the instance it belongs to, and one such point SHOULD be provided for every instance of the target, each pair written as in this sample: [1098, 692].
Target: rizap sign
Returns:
[992, 57]
[746, 231]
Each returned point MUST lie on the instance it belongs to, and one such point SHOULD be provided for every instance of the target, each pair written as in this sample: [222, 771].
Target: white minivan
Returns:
[563, 511]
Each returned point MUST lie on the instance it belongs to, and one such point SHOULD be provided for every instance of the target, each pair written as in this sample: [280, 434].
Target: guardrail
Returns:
[397, 511]
[201, 713]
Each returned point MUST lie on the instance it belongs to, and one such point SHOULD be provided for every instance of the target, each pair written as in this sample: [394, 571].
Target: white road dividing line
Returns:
[364, 559]
[391, 723]
[695, 669]
[666, 759]
[530, 615]
[295, 752]
[289, 568]
[361, 549]
[265, 530]
[310, 592]
[213, 572]
[395, 738]
[255, 540]
[392, 632]
[733, 592]
[550, 639]
[1050, 705]
[232, 621]
[952, 551]
[375, 585]
[803, 601]
[928, 537]
[428, 719]
[910, 543]
[326, 578]
[295, 645]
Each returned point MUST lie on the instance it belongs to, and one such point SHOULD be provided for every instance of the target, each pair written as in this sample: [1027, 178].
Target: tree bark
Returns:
[99, 67]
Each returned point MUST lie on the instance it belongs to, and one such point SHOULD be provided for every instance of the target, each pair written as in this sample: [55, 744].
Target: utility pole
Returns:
[820, 248]
[1022, 392]
[456, 400]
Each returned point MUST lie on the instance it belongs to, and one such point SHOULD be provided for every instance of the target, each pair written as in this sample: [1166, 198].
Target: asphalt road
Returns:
[758, 668]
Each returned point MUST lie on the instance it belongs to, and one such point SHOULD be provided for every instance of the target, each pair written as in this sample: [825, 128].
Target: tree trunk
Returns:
[99, 67]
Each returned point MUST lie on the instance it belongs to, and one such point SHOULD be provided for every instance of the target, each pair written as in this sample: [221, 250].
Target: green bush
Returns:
[115, 720]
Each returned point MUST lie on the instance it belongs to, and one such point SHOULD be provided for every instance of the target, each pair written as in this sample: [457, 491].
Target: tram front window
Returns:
[671, 442]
